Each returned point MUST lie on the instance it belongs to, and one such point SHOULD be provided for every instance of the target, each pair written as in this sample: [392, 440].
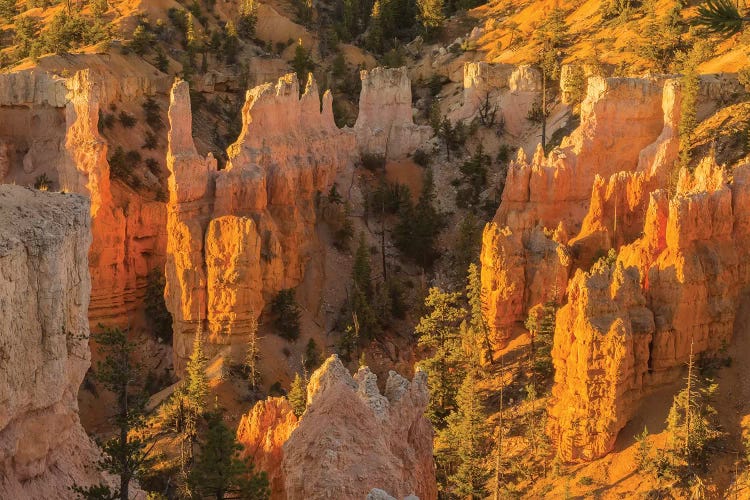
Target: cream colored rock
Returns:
[351, 439]
[385, 125]
[44, 293]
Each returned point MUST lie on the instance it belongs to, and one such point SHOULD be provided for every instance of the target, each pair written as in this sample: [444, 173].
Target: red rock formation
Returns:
[619, 118]
[44, 293]
[631, 328]
[49, 125]
[239, 235]
[263, 432]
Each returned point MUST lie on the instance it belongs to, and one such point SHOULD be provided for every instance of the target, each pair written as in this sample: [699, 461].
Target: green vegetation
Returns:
[157, 314]
[298, 395]
[287, 314]
[416, 233]
[218, 471]
[126, 455]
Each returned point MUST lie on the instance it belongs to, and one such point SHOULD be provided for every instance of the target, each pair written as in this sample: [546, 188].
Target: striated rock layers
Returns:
[350, 440]
[628, 325]
[49, 126]
[237, 236]
[44, 354]
[385, 125]
[509, 90]
[526, 253]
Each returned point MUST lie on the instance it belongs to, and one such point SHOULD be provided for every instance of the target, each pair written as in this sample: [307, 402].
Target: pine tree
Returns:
[253, 352]
[127, 455]
[298, 395]
[375, 36]
[440, 334]
[721, 16]
[431, 15]
[688, 121]
[302, 64]
[643, 459]
[418, 227]
[470, 433]
[480, 349]
[312, 356]
[196, 382]
[247, 19]
[219, 472]
[691, 424]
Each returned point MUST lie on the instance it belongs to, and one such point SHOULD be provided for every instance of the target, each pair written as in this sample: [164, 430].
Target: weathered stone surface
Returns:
[626, 330]
[352, 440]
[239, 235]
[44, 294]
[385, 125]
[263, 432]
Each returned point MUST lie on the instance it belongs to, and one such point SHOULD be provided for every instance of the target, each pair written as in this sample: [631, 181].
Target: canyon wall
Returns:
[239, 235]
[350, 440]
[49, 126]
[385, 125]
[525, 255]
[44, 297]
[630, 325]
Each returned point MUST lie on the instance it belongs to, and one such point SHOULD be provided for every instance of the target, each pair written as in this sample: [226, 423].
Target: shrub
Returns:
[150, 140]
[127, 120]
[153, 165]
[287, 314]
[42, 183]
[373, 162]
[153, 115]
[421, 157]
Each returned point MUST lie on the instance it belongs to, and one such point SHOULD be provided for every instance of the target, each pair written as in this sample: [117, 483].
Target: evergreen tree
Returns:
[253, 353]
[439, 333]
[312, 356]
[691, 423]
[480, 349]
[466, 250]
[219, 472]
[231, 45]
[361, 293]
[688, 121]
[196, 381]
[156, 310]
[541, 326]
[298, 395]
[247, 19]
[431, 15]
[418, 227]
[8, 10]
[721, 16]
[468, 429]
[287, 312]
[375, 37]
[99, 8]
[302, 64]
[127, 455]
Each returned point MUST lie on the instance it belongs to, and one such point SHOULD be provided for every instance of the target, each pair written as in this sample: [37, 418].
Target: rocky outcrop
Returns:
[631, 326]
[546, 199]
[49, 126]
[44, 294]
[350, 440]
[507, 90]
[385, 125]
[239, 235]
[263, 432]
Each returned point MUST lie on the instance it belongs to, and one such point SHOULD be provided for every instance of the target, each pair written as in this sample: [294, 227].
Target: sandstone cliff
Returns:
[631, 326]
[384, 125]
[50, 126]
[44, 295]
[239, 235]
[350, 440]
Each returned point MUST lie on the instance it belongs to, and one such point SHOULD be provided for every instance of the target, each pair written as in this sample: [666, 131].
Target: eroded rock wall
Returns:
[239, 235]
[631, 326]
[44, 297]
[385, 125]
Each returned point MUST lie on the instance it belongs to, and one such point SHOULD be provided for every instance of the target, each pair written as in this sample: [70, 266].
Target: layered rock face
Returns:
[44, 296]
[525, 255]
[49, 126]
[385, 125]
[630, 326]
[508, 89]
[350, 440]
[239, 235]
